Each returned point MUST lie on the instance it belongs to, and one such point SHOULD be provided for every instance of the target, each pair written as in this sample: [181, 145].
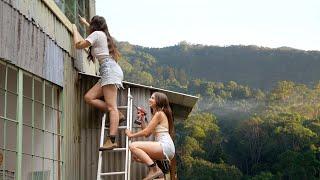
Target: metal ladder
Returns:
[126, 172]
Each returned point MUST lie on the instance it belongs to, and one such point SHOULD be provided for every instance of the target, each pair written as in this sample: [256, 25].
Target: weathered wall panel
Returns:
[26, 46]
[38, 14]
[71, 109]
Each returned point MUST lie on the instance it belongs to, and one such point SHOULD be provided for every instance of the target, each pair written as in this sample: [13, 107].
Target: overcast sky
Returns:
[269, 23]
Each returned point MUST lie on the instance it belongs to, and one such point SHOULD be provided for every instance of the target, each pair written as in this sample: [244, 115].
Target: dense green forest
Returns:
[258, 112]
[257, 67]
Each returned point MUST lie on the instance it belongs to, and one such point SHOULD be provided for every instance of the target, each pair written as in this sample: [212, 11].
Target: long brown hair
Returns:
[162, 104]
[98, 23]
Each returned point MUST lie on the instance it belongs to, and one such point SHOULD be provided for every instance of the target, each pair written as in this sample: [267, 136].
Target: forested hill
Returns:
[258, 115]
[256, 67]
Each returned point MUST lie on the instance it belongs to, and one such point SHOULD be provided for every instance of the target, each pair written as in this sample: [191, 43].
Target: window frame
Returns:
[56, 134]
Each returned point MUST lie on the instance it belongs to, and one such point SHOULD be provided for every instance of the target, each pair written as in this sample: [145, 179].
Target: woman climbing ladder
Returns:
[102, 46]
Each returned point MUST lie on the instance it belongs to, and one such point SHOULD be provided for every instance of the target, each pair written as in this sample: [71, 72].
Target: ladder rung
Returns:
[112, 173]
[122, 107]
[116, 149]
[120, 127]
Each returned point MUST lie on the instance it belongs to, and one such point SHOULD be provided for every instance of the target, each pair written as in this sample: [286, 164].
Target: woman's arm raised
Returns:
[78, 41]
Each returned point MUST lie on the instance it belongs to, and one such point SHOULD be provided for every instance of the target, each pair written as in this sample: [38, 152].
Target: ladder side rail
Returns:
[101, 144]
[130, 128]
[129, 107]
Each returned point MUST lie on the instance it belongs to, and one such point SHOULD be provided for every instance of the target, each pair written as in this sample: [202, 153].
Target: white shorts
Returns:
[167, 144]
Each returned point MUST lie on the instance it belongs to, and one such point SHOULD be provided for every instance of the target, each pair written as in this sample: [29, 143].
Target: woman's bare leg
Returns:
[110, 97]
[93, 96]
[135, 158]
[146, 151]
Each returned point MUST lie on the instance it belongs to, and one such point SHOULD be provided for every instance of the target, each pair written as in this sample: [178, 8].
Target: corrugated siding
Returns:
[37, 12]
[89, 134]
[53, 62]
[141, 97]
[26, 46]
[71, 109]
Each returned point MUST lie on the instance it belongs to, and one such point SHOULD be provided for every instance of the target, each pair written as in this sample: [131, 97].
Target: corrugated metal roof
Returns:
[174, 97]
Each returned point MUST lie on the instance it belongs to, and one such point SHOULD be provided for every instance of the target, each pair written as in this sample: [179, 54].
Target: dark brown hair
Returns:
[162, 104]
[98, 23]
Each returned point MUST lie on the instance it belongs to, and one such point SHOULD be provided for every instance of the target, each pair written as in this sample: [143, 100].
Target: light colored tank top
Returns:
[160, 128]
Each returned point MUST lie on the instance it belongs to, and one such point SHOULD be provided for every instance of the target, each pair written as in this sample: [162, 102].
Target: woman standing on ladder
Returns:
[102, 46]
[161, 125]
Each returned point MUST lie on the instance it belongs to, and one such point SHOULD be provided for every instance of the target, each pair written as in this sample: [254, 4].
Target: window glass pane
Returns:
[27, 163]
[1, 160]
[38, 90]
[60, 170]
[48, 95]
[11, 106]
[27, 85]
[48, 145]
[1, 132]
[56, 98]
[38, 115]
[12, 80]
[27, 111]
[59, 123]
[37, 168]
[2, 75]
[38, 142]
[27, 140]
[70, 9]
[50, 118]
[2, 99]
[48, 169]
[10, 164]
[56, 169]
[11, 135]
[60, 4]
[57, 147]
[55, 121]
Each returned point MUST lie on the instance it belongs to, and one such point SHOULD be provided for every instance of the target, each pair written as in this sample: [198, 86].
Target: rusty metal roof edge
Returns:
[149, 87]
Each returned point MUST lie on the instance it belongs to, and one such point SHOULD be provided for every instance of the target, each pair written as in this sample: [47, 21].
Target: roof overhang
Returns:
[177, 98]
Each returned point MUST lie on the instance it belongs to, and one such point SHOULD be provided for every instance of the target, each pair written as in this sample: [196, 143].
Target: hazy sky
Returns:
[159, 23]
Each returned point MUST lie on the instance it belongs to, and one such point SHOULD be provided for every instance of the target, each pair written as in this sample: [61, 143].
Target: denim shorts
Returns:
[111, 73]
